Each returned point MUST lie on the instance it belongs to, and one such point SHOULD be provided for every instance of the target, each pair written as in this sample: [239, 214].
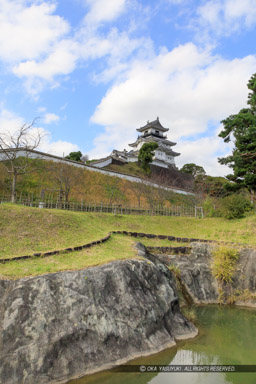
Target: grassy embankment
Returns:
[85, 186]
[129, 169]
[26, 230]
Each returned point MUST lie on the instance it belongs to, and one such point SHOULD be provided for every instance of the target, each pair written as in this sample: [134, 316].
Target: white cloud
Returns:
[39, 46]
[9, 122]
[58, 148]
[50, 118]
[61, 61]
[119, 50]
[28, 30]
[102, 10]
[34, 43]
[41, 109]
[205, 152]
[224, 17]
[63, 107]
[176, 1]
[189, 89]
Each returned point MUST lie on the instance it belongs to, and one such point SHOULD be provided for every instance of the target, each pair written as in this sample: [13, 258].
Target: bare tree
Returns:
[15, 151]
[66, 178]
[84, 158]
[148, 192]
[138, 190]
[113, 191]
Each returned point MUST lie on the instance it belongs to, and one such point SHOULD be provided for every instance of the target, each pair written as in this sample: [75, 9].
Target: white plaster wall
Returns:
[132, 159]
[41, 155]
[103, 163]
[159, 163]
[160, 155]
[139, 145]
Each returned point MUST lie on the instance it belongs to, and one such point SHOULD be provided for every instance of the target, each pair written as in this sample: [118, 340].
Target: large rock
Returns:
[59, 326]
[201, 285]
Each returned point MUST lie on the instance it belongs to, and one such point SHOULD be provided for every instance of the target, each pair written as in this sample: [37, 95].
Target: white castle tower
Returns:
[154, 132]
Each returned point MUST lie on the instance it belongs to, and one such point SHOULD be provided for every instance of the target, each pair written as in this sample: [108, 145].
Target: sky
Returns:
[92, 71]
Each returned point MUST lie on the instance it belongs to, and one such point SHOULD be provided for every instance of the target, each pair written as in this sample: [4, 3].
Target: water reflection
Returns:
[227, 336]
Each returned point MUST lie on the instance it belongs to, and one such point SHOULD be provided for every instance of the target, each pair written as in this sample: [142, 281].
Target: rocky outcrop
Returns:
[59, 326]
[244, 281]
[200, 284]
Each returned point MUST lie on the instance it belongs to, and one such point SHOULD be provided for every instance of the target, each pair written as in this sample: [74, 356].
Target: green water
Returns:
[227, 336]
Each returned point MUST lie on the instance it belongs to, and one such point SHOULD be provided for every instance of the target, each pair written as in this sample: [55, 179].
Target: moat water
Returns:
[227, 336]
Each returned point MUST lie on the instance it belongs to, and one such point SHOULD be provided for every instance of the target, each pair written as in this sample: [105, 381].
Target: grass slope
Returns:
[129, 169]
[87, 186]
[25, 230]
[103, 253]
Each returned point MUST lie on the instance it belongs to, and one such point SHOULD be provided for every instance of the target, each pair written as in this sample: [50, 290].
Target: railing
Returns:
[116, 209]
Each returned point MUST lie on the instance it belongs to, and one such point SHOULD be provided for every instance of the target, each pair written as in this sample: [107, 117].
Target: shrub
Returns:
[235, 206]
[224, 263]
[209, 207]
[175, 270]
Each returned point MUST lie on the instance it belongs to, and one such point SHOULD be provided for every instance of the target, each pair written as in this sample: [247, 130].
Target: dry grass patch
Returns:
[224, 263]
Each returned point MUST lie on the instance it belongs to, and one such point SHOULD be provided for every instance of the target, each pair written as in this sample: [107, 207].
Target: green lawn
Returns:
[117, 248]
[25, 230]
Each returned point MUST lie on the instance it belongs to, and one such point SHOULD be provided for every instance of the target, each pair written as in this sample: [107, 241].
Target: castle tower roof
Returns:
[153, 124]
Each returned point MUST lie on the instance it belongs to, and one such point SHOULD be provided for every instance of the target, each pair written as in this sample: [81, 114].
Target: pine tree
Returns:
[241, 128]
[146, 154]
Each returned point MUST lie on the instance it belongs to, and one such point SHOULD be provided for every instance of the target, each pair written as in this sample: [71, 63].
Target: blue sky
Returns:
[95, 70]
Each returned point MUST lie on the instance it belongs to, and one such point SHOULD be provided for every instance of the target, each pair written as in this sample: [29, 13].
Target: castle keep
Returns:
[151, 132]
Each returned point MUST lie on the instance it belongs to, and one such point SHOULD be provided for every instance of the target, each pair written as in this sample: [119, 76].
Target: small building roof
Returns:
[153, 124]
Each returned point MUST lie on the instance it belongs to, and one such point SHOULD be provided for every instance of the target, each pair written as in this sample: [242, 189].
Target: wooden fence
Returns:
[116, 209]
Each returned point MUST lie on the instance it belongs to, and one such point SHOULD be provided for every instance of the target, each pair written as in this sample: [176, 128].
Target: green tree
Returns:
[241, 129]
[75, 156]
[215, 186]
[252, 95]
[146, 154]
[193, 169]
